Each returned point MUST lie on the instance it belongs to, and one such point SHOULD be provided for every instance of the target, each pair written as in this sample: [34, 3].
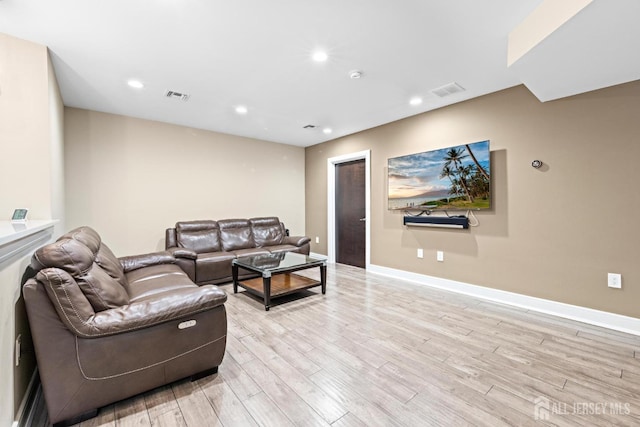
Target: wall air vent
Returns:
[176, 95]
[448, 89]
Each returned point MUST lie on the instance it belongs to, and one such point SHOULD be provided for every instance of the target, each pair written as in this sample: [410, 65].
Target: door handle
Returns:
[362, 219]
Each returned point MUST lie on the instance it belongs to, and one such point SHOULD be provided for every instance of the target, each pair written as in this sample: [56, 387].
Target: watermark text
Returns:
[545, 407]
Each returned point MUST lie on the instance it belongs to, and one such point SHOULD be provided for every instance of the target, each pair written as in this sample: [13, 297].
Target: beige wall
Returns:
[24, 108]
[31, 142]
[130, 179]
[552, 233]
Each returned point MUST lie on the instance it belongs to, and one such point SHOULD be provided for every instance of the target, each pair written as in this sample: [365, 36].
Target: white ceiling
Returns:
[257, 53]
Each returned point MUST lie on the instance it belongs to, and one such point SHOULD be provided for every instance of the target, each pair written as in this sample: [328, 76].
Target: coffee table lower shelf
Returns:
[280, 285]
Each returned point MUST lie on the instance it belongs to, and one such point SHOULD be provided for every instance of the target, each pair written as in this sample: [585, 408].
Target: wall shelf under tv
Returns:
[437, 221]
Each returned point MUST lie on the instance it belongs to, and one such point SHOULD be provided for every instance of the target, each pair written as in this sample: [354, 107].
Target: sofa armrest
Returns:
[296, 240]
[170, 239]
[135, 262]
[79, 317]
[182, 253]
[156, 309]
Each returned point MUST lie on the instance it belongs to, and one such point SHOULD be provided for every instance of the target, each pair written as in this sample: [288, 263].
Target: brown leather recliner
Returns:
[205, 249]
[107, 328]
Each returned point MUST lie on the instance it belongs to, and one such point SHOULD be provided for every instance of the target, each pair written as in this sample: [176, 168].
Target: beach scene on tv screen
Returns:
[454, 178]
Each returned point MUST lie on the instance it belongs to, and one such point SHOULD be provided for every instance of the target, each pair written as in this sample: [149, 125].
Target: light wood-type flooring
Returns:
[377, 351]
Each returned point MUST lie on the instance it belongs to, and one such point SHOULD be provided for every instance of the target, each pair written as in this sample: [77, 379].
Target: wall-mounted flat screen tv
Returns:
[454, 178]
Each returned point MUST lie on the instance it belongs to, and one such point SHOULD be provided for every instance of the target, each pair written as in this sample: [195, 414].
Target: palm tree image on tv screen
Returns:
[454, 178]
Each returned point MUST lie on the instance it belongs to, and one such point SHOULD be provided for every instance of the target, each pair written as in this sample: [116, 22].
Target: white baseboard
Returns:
[318, 256]
[604, 319]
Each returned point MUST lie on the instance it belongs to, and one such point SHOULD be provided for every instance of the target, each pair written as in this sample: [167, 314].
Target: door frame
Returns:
[331, 202]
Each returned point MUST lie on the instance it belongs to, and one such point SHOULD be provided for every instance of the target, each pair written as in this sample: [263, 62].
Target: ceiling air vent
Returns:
[448, 89]
[176, 95]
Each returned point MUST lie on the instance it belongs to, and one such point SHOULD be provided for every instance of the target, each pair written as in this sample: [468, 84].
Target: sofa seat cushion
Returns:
[276, 249]
[250, 252]
[213, 266]
[156, 279]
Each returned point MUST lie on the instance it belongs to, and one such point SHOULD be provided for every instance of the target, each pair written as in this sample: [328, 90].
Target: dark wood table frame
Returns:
[277, 282]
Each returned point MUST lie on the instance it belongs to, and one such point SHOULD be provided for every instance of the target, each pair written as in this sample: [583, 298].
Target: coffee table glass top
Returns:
[276, 262]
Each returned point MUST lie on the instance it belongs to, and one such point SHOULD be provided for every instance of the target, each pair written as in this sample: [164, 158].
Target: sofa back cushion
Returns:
[267, 231]
[79, 260]
[103, 255]
[236, 234]
[199, 236]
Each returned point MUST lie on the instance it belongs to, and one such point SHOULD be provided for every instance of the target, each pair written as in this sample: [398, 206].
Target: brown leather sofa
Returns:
[204, 249]
[107, 328]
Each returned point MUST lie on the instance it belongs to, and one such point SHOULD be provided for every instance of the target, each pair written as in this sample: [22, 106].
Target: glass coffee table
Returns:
[277, 279]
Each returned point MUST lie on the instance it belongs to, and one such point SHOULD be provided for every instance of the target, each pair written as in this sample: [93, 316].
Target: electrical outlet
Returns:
[317, 239]
[420, 253]
[440, 256]
[614, 280]
[18, 349]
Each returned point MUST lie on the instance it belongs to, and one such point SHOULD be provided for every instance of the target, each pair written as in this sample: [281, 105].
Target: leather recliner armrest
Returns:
[182, 253]
[156, 309]
[170, 238]
[79, 317]
[296, 240]
[135, 262]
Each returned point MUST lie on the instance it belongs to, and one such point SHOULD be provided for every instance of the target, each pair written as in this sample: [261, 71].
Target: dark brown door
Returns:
[350, 213]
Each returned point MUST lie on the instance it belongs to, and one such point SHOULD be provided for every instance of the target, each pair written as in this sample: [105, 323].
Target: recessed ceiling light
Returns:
[327, 131]
[136, 84]
[241, 109]
[320, 56]
[416, 100]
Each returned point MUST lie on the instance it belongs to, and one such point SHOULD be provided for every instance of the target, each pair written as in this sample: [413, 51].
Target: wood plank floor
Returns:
[375, 351]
